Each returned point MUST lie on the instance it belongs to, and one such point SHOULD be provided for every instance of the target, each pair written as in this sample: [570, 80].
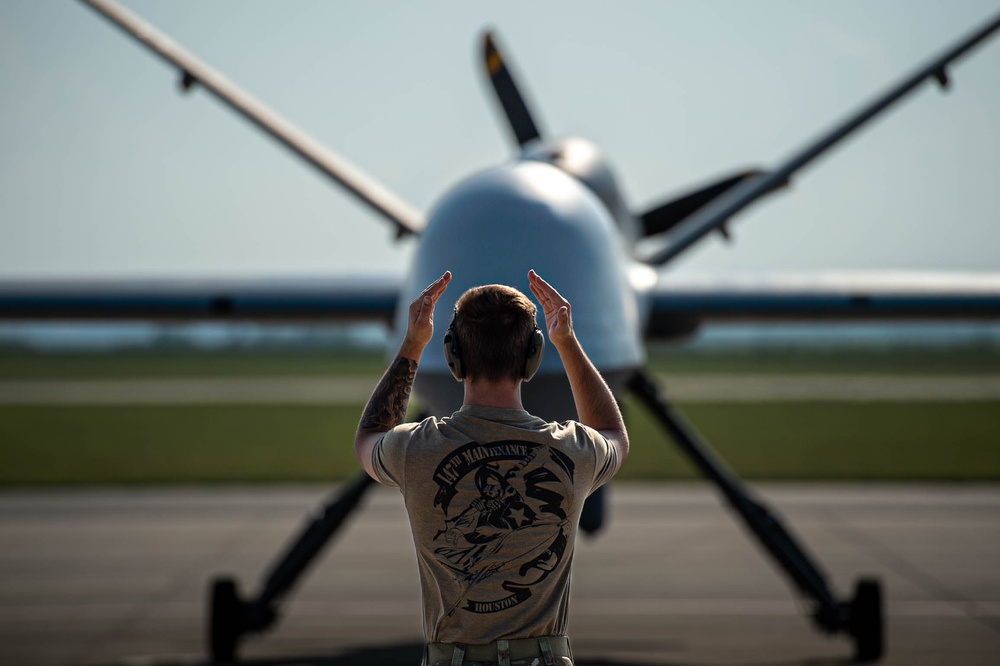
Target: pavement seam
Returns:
[907, 569]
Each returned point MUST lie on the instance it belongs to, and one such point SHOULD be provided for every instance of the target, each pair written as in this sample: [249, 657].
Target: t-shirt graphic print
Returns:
[509, 521]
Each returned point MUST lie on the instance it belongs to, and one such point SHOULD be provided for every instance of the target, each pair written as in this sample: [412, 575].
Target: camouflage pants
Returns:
[531, 661]
[541, 651]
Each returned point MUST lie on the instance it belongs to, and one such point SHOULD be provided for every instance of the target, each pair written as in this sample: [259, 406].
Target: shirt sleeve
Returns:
[389, 455]
[606, 457]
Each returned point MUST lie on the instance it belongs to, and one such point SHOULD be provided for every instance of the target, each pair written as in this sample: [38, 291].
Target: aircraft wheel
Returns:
[592, 516]
[226, 618]
[866, 620]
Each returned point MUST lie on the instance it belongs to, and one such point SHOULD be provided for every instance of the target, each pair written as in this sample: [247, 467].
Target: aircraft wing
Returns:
[193, 71]
[679, 304]
[714, 215]
[302, 300]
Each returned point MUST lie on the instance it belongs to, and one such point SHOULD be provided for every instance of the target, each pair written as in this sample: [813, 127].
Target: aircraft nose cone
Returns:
[495, 226]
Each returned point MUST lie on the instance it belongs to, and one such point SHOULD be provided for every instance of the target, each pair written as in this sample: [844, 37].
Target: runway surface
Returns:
[119, 577]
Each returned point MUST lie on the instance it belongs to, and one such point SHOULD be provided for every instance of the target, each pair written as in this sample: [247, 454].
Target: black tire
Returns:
[225, 620]
[866, 620]
[592, 516]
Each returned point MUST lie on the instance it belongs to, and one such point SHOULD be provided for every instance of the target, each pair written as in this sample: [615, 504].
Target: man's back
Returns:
[494, 497]
[493, 494]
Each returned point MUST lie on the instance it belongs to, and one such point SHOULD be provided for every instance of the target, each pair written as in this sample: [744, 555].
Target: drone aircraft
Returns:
[556, 208]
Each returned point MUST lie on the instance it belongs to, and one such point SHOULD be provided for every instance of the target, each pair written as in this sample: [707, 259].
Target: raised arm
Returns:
[595, 404]
[386, 407]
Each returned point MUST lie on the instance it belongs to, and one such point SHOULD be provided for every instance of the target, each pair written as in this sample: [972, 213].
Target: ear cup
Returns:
[535, 349]
[451, 355]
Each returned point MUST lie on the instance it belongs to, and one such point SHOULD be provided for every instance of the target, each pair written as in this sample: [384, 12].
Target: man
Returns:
[493, 494]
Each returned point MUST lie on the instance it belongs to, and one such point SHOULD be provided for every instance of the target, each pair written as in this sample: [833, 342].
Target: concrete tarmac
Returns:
[119, 577]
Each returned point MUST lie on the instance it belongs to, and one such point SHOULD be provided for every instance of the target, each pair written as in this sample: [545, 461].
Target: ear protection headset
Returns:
[534, 358]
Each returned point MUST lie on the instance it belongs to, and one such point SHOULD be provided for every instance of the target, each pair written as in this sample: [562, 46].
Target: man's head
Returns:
[494, 329]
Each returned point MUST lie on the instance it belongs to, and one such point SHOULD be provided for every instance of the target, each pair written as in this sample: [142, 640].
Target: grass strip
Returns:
[829, 441]
[969, 360]
[187, 363]
[262, 443]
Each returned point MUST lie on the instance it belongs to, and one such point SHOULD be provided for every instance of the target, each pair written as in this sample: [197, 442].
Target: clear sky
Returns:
[107, 171]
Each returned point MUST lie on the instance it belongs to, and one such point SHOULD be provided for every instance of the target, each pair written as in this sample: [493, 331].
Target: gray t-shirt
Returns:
[494, 498]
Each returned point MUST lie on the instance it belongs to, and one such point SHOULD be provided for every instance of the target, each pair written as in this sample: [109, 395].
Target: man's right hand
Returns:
[557, 310]
[420, 318]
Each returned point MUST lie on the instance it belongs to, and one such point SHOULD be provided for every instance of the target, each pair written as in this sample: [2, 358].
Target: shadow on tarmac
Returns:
[410, 654]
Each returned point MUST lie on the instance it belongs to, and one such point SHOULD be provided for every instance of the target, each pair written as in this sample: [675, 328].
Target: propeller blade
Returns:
[668, 215]
[513, 104]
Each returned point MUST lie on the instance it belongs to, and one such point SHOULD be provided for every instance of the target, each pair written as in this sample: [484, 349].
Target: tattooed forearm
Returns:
[387, 406]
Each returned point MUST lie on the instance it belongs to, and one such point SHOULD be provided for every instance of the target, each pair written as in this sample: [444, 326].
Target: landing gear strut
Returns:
[861, 617]
[231, 618]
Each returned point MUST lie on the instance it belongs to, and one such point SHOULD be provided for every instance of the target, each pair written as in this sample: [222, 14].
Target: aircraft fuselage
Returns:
[495, 226]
